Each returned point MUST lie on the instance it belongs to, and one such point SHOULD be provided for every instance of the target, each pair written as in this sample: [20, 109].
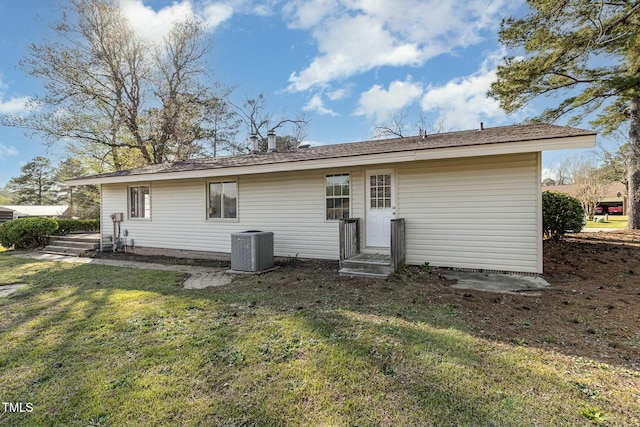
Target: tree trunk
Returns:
[634, 165]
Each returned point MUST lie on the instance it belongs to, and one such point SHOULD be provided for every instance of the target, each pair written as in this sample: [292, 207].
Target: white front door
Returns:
[380, 207]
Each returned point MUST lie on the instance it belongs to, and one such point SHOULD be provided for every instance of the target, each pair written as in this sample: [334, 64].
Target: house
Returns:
[468, 200]
[614, 198]
[9, 212]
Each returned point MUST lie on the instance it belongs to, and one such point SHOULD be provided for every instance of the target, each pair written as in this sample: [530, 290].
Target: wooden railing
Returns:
[398, 243]
[349, 237]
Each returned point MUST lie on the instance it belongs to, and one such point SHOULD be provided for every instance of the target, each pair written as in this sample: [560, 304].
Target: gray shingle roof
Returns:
[496, 135]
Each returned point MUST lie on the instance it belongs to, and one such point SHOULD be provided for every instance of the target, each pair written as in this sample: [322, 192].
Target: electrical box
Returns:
[118, 217]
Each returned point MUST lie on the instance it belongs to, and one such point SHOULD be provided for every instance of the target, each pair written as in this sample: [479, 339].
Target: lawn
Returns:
[90, 345]
[615, 221]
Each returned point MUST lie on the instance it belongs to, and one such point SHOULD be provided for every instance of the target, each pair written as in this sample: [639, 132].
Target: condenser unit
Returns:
[252, 251]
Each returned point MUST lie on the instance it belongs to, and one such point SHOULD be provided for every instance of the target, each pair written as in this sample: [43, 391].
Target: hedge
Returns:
[27, 233]
[74, 225]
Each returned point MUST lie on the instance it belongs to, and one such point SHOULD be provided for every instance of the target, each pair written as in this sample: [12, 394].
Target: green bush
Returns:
[74, 225]
[561, 213]
[27, 233]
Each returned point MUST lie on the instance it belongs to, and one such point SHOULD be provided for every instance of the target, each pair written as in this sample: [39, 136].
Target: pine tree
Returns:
[587, 53]
[36, 185]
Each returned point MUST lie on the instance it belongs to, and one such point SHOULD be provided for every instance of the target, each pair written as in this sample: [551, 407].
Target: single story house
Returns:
[9, 212]
[614, 196]
[469, 199]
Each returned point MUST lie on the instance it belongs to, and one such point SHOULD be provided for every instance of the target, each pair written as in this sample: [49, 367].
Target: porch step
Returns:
[62, 250]
[367, 265]
[74, 245]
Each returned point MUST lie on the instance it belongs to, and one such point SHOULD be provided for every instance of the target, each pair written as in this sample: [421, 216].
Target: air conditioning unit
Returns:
[252, 251]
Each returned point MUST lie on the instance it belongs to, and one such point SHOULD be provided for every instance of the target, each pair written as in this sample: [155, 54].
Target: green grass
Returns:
[615, 221]
[92, 345]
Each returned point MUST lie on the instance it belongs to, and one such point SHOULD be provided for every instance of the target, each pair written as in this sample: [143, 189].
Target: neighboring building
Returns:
[9, 212]
[470, 199]
[614, 200]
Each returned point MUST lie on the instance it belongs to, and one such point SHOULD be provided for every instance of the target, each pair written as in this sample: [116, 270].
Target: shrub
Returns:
[561, 213]
[27, 233]
[73, 225]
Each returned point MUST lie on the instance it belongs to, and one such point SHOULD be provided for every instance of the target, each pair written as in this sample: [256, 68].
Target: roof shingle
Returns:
[496, 135]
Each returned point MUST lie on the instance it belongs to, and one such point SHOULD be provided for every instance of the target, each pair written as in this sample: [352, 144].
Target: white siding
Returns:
[288, 204]
[479, 213]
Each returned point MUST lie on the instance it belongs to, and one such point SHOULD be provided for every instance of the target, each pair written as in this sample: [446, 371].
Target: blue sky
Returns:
[349, 64]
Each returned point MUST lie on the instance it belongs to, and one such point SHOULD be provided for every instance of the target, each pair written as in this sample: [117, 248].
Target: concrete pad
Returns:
[498, 283]
[7, 290]
[207, 279]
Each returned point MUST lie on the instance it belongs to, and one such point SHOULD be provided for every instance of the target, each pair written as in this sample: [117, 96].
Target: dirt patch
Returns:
[160, 259]
[591, 309]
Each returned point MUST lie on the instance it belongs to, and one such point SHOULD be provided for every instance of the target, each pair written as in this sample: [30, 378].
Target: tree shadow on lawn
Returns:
[116, 346]
[391, 343]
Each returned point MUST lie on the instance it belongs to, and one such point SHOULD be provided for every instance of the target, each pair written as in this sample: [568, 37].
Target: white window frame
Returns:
[222, 210]
[334, 197]
[146, 214]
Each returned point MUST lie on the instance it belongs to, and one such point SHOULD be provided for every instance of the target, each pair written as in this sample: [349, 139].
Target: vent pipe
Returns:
[481, 126]
[271, 139]
[254, 143]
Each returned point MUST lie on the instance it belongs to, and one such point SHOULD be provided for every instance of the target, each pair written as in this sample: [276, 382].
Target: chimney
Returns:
[254, 143]
[271, 139]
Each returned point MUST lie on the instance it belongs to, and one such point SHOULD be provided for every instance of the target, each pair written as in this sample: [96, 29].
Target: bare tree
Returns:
[397, 127]
[561, 173]
[394, 127]
[105, 86]
[259, 120]
[589, 182]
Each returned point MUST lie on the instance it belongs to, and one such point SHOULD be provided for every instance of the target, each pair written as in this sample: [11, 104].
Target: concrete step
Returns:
[77, 238]
[63, 250]
[75, 244]
[346, 272]
[369, 267]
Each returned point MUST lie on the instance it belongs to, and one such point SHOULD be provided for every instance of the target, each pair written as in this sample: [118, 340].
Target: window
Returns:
[140, 202]
[380, 191]
[338, 196]
[223, 200]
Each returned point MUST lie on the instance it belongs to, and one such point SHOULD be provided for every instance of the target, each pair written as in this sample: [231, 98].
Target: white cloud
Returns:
[380, 103]
[339, 94]
[7, 151]
[355, 36]
[154, 24]
[463, 102]
[316, 104]
[15, 105]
